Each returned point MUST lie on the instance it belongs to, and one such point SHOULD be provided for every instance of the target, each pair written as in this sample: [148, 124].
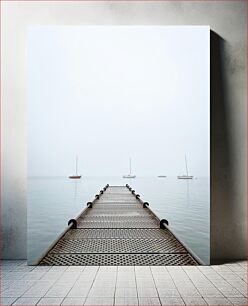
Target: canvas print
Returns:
[118, 145]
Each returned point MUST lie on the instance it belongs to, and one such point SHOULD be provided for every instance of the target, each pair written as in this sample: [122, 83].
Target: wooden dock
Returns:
[118, 228]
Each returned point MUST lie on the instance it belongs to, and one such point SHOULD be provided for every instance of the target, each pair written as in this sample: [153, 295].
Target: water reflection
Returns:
[188, 193]
[76, 182]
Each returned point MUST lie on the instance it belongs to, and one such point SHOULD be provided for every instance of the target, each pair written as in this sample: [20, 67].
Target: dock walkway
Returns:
[117, 228]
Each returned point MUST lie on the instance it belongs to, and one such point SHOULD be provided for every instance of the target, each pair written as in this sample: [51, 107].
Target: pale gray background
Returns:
[132, 84]
[227, 19]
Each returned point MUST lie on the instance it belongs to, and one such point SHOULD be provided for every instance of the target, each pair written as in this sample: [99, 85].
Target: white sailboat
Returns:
[130, 175]
[76, 175]
[185, 177]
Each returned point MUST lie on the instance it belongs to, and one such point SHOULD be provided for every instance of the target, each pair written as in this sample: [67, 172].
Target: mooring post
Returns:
[145, 204]
[164, 223]
[73, 223]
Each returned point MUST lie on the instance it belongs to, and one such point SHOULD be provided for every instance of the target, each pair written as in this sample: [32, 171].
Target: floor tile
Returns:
[91, 269]
[149, 301]
[58, 291]
[103, 284]
[73, 301]
[220, 285]
[75, 268]
[42, 268]
[189, 292]
[229, 291]
[148, 283]
[33, 276]
[51, 276]
[15, 275]
[166, 301]
[217, 301]
[13, 292]
[126, 292]
[164, 292]
[79, 290]
[121, 301]
[142, 269]
[130, 272]
[58, 268]
[50, 301]
[24, 268]
[147, 292]
[238, 301]
[165, 284]
[38, 290]
[209, 292]
[85, 280]
[102, 292]
[7, 300]
[157, 269]
[27, 301]
[194, 301]
[126, 269]
[108, 269]
[99, 301]
[126, 283]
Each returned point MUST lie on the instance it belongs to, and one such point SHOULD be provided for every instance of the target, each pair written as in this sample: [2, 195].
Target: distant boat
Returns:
[185, 177]
[162, 176]
[76, 175]
[130, 175]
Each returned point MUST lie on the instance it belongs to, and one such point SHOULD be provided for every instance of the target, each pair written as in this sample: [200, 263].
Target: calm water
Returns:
[53, 201]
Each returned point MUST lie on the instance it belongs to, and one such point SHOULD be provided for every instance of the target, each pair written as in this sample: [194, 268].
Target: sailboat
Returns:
[185, 177]
[76, 175]
[130, 175]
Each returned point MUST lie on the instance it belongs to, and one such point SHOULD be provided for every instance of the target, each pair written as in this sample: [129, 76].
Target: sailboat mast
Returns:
[130, 166]
[76, 164]
[186, 165]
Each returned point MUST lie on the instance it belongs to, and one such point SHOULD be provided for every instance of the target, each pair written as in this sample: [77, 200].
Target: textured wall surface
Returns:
[227, 20]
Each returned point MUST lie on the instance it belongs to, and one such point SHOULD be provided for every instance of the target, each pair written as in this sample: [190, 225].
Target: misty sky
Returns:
[109, 92]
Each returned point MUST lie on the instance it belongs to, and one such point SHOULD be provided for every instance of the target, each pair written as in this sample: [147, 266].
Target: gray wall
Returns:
[228, 104]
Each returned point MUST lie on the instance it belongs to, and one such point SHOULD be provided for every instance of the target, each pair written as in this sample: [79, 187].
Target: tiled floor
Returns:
[153, 285]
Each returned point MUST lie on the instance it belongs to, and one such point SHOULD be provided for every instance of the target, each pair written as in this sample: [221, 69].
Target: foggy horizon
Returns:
[117, 174]
[107, 93]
